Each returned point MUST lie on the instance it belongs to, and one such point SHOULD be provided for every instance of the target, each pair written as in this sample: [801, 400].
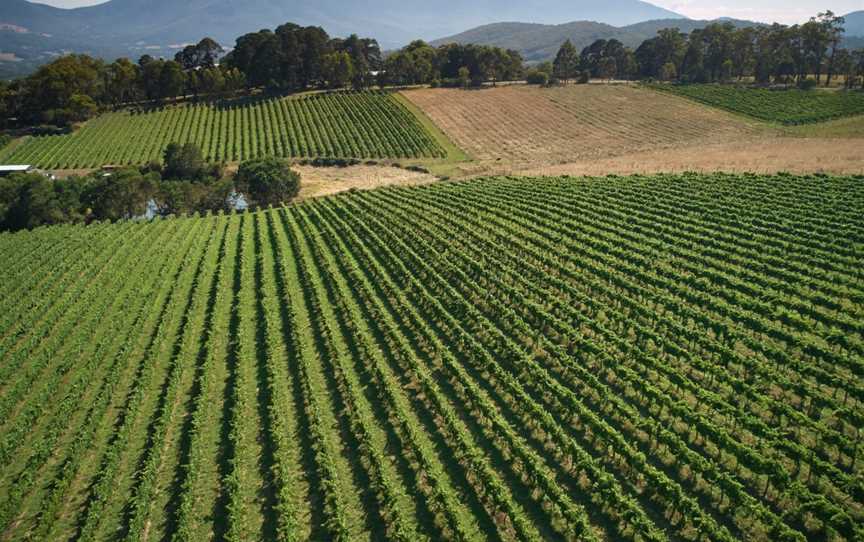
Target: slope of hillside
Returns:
[504, 359]
[392, 22]
[538, 42]
[854, 24]
[520, 126]
[333, 125]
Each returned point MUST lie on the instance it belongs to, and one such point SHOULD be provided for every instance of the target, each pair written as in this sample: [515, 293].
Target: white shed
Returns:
[9, 170]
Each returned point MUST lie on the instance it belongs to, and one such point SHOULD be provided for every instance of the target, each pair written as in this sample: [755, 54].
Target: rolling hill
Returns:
[854, 24]
[539, 42]
[133, 27]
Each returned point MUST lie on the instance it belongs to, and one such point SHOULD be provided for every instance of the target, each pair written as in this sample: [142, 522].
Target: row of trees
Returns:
[719, 52]
[722, 52]
[450, 65]
[185, 184]
[75, 87]
[294, 58]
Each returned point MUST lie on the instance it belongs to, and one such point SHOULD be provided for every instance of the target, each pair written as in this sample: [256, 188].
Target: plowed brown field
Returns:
[527, 124]
[617, 128]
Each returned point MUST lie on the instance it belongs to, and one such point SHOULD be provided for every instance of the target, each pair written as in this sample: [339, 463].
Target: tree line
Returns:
[295, 58]
[720, 52]
[292, 58]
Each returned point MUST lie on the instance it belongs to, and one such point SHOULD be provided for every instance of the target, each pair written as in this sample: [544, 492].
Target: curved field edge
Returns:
[374, 125]
[454, 152]
[669, 357]
[786, 107]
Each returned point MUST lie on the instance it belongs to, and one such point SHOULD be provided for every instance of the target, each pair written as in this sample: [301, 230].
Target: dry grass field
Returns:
[326, 181]
[531, 125]
[599, 129]
[794, 155]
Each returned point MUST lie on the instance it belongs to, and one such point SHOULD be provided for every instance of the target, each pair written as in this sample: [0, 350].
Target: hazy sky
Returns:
[782, 11]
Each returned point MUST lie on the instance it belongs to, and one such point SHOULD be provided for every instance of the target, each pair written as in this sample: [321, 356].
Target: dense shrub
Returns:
[267, 181]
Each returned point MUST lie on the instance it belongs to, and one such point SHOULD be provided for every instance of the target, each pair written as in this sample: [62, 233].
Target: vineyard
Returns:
[339, 125]
[623, 358]
[790, 107]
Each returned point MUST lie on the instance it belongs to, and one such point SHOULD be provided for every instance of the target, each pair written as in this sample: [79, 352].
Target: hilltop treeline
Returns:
[290, 59]
[721, 52]
[294, 58]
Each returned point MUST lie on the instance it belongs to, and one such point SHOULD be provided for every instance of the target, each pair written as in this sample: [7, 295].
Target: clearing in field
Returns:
[337, 125]
[326, 181]
[629, 359]
[518, 125]
[787, 106]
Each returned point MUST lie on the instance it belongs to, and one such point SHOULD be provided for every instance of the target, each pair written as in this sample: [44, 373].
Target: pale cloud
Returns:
[69, 3]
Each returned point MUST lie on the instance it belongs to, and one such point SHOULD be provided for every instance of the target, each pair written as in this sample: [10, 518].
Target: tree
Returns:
[267, 181]
[591, 56]
[566, 65]
[338, 69]
[834, 31]
[668, 72]
[813, 48]
[48, 93]
[608, 68]
[31, 200]
[537, 77]
[184, 162]
[123, 195]
[81, 107]
[464, 77]
[172, 80]
[204, 54]
[123, 78]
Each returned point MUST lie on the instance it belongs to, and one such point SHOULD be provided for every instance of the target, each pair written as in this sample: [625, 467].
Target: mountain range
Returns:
[854, 24]
[31, 34]
[539, 42]
[392, 22]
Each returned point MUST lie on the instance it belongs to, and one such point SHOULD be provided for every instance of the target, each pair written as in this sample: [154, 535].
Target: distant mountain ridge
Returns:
[539, 42]
[159, 27]
[392, 22]
[855, 24]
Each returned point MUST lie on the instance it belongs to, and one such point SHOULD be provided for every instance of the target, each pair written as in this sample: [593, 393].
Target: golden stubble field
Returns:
[619, 129]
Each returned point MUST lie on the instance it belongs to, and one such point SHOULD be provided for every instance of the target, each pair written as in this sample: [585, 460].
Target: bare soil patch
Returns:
[515, 127]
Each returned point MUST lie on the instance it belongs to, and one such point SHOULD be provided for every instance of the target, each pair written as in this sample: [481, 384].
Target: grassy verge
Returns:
[446, 167]
[851, 127]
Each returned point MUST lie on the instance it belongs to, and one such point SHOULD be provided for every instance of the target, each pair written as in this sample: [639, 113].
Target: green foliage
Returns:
[31, 200]
[267, 181]
[537, 77]
[335, 125]
[566, 64]
[788, 106]
[635, 358]
[184, 162]
[121, 195]
[337, 69]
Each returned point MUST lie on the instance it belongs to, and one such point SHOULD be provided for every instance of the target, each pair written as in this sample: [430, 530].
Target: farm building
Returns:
[5, 171]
